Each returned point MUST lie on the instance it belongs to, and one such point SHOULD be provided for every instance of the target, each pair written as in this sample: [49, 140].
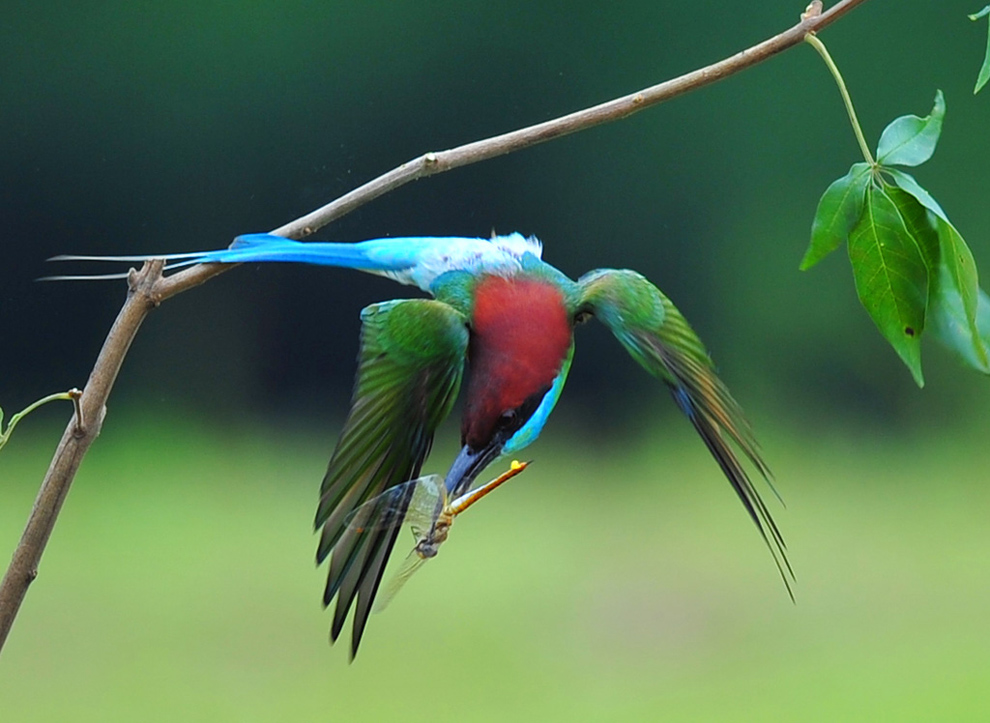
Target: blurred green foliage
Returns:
[132, 127]
[180, 585]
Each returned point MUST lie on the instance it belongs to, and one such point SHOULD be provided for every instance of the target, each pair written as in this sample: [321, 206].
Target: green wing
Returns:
[409, 372]
[657, 336]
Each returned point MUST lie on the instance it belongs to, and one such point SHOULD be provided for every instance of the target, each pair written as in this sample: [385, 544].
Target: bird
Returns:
[498, 309]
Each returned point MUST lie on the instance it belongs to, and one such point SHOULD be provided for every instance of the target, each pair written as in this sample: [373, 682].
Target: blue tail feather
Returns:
[248, 248]
[412, 260]
[266, 247]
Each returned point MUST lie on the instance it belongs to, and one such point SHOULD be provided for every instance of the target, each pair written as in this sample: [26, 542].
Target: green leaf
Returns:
[838, 211]
[918, 225]
[891, 277]
[984, 75]
[953, 306]
[951, 327]
[910, 140]
[907, 182]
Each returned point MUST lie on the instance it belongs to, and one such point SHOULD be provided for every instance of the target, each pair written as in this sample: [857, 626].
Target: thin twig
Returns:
[72, 394]
[432, 162]
[148, 287]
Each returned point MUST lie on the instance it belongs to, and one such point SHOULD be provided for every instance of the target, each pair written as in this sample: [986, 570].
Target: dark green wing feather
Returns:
[409, 372]
[657, 336]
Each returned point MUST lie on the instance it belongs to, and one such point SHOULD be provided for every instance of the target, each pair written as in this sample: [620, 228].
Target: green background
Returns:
[617, 578]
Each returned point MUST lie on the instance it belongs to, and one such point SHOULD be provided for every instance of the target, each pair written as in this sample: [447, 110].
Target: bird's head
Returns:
[520, 351]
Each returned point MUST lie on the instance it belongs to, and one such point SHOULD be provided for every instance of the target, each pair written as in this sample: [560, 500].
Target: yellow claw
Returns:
[516, 464]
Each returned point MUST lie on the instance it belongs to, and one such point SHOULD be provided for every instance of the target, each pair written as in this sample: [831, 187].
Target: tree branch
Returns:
[148, 288]
[78, 436]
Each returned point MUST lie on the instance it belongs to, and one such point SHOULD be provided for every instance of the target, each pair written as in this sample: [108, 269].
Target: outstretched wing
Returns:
[410, 368]
[657, 336]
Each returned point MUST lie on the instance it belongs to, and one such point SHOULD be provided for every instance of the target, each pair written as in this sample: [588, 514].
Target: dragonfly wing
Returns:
[410, 565]
[417, 503]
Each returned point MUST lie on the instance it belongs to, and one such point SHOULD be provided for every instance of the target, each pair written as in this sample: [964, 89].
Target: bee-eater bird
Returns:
[511, 316]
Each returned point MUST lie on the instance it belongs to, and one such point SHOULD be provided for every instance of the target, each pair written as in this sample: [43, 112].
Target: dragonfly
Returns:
[423, 504]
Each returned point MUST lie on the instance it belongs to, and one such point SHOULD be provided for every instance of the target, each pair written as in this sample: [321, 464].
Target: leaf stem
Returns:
[818, 45]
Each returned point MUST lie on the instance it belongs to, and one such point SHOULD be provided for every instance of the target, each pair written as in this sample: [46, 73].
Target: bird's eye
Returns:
[581, 317]
[508, 417]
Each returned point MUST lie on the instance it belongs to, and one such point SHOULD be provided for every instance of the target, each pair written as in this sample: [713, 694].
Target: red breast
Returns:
[520, 334]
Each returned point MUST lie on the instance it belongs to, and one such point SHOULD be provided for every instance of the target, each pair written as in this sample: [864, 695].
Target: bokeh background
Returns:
[618, 578]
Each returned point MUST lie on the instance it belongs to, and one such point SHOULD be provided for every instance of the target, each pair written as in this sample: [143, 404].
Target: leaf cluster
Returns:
[912, 268]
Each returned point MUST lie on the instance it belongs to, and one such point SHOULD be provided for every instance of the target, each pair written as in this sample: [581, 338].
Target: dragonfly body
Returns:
[429, 545]
[497, 305]
[423, 505]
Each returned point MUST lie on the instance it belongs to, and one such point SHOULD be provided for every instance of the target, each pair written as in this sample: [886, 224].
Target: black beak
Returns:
[468, 465]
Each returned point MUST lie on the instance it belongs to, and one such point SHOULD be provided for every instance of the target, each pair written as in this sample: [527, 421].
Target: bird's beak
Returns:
[468, 465]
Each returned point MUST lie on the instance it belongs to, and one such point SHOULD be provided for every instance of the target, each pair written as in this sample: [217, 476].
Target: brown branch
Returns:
[79, 435]
[148, 287]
